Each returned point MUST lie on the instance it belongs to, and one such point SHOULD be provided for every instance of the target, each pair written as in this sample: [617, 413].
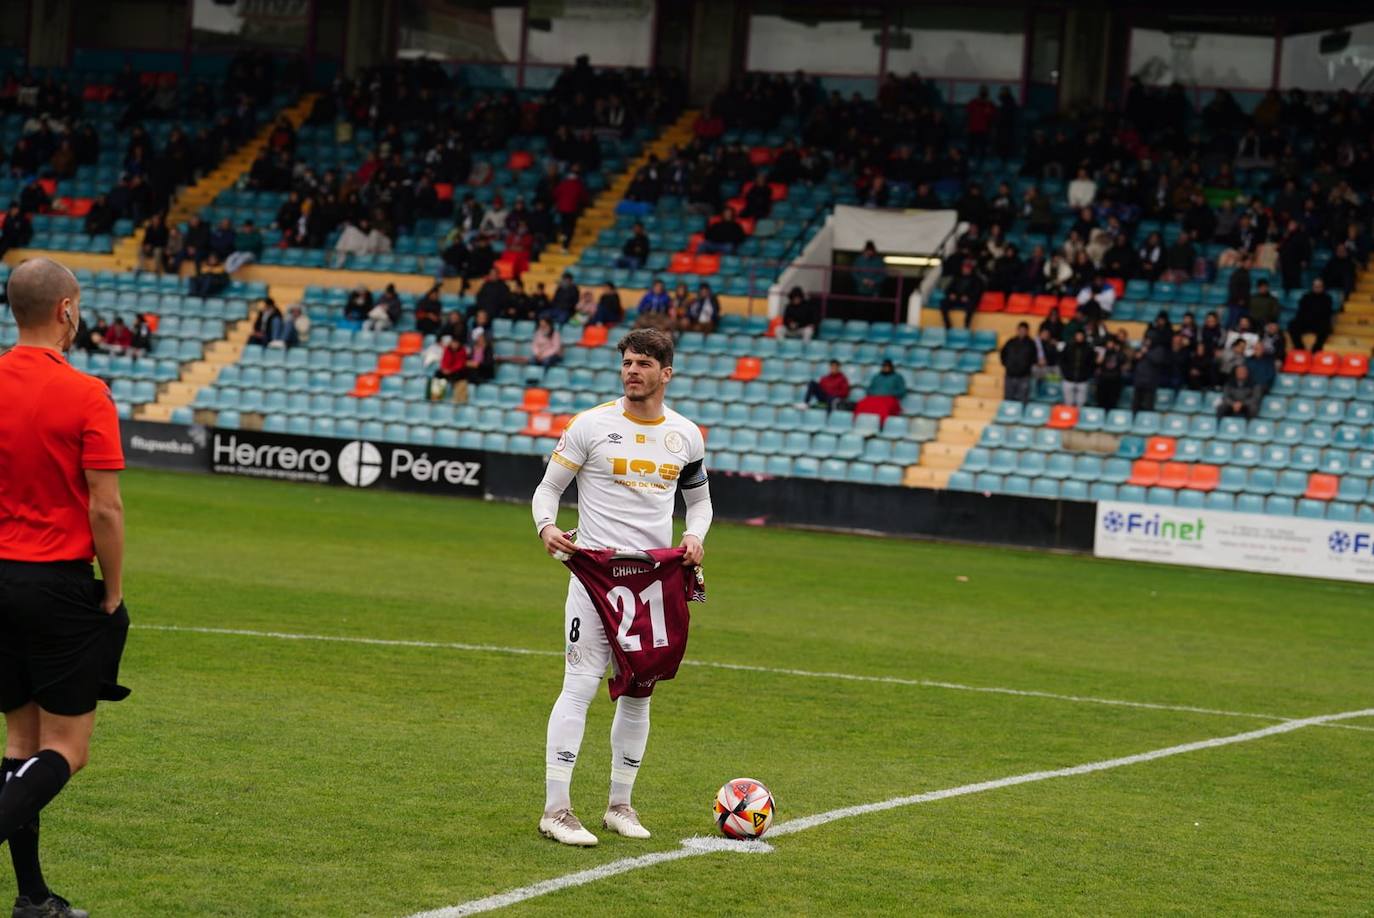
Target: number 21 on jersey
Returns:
[624, 599]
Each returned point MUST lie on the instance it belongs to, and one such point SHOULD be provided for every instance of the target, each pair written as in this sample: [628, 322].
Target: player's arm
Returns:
[696, 495]
[107, 527]
[563, 466]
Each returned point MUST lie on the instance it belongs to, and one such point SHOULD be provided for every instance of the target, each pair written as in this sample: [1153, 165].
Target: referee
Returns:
[61, 631]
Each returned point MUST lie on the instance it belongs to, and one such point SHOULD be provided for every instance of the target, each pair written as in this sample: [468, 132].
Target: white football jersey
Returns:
[628, 472]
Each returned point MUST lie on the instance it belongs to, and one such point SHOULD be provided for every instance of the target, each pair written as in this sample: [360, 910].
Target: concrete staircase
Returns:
[1354, 327]
[600, 214]
[961, 430]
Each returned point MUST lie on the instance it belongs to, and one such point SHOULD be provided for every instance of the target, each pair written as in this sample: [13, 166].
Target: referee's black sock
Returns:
[24, 846]
[32, 786]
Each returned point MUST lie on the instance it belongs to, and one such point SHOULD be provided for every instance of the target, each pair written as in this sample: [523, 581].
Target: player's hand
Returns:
[110, 604]
[694, 550]
[555, 541]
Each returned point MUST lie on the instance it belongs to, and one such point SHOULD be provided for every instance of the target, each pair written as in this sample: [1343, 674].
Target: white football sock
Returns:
[629, 737]
[566, 724]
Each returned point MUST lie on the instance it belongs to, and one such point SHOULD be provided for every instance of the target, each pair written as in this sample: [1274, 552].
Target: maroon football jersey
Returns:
[641, 597]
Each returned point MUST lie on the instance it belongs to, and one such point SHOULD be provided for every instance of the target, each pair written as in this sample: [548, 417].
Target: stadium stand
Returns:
[91, 154]
[1146, 224]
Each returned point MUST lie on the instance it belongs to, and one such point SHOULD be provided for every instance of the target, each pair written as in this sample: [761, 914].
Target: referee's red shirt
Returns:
[55, 422]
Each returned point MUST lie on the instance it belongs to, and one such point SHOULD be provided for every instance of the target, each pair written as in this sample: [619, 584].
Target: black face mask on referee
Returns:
[62, 631]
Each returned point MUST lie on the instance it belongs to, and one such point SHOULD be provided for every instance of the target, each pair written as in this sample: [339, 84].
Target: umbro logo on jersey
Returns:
[614, 437]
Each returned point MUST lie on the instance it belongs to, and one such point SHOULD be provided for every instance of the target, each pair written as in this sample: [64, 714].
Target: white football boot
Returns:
[622, 819]
[563, 827]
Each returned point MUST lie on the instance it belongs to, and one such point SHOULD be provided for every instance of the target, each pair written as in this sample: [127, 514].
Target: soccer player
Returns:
[61, 631]
[629, 458]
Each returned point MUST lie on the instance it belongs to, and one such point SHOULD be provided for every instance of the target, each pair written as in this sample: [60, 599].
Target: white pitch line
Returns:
[792, 826]
[736, 667]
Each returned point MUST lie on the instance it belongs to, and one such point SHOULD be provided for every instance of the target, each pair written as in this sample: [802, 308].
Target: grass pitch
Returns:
[255, 775]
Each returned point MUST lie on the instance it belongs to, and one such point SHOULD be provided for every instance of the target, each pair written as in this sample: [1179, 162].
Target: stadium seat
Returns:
[1019, 485]
[1101, 490]
[1192, 500]
[1144, 473]
[535, 400]
[1160, 448]
[1321, 486]
[1220, 500]
[1131, 494]
[1116, 470]
[1276, 505]
[1203, 477]
[1131, 448]
[960, 481]
[1063, 417]
[1173, 475]
[747, 369]
[1161, 497]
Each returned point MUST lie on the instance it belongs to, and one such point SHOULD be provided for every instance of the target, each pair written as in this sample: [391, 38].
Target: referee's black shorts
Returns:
[57, 646]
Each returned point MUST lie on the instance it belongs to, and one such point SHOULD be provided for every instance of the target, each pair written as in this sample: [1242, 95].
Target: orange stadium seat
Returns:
[1203, 477]
[1321, 486]
[594, 336]
[747, 224]
[410, 343]
[1325, 363]
[49, 186]
[681, 263]
[1160, 449]
[1145, 473]
[773, 325]
[560, 424]
[761, 156]
[535, 400]
[1068, 307]
[778, 190]
[1297, 362]
[737, 203]
[389, 364]
[1354, 365]
[443, 191]
[747, 369]
[1118, 285]
[538, 425]
[519, 160]
[693, 241]
[1063, 417]
[1020, 303]
[367, 385]
[1043, 303]
[705, 264]
[153, 320]
[1173, 475]
[992, 302]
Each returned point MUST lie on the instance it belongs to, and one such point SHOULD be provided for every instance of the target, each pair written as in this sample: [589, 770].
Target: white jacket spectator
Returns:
[494, 220]
[301, 320]
[1105, 294]
[360, 239]
[1082, 190]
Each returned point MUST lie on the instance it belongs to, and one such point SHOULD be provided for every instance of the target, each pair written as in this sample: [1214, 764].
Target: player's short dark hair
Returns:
[651, 343]
[35, 287]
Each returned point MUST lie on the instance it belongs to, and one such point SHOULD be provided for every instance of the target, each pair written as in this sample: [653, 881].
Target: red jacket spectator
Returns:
[570, 195]
[981, 112]
[119, 337]
[709, 126]
[834, 385]
[455, 360]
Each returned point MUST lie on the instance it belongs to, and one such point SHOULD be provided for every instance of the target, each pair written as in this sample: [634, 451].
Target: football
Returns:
[743, 808]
